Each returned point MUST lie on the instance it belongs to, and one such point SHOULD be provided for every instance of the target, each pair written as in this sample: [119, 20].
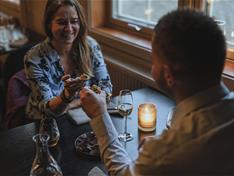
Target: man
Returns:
[188, 53]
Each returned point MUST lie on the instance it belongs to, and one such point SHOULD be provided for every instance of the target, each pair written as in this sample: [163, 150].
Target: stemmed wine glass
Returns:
[125, 106]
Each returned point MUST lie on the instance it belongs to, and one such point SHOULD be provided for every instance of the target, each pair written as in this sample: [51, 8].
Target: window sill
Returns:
[131, 44]
[134, 52]
[229, 69]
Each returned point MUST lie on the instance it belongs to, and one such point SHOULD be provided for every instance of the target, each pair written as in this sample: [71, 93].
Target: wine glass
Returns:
[125, 106]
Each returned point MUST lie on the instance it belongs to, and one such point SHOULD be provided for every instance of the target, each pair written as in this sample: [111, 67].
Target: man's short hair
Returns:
[192, 40]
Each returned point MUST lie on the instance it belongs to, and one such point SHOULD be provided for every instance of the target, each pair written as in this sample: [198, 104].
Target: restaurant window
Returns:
[139, 15]
[223, 12]
[142, 15]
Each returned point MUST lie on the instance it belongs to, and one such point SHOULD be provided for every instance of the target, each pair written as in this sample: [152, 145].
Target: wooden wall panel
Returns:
[33, 15]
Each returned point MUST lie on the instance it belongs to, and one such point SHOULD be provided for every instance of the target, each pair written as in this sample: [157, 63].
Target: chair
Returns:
[14, 63]
[17, 97]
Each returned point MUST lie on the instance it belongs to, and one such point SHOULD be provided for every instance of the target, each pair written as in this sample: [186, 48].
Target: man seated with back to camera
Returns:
[188, 54]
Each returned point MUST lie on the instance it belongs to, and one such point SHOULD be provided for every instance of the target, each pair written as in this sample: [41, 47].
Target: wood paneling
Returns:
[33, 15]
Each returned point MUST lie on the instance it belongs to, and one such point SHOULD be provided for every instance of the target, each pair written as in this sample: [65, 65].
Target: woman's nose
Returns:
[68, 27]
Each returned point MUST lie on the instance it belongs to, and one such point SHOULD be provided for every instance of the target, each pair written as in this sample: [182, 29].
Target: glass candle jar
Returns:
[147, 115]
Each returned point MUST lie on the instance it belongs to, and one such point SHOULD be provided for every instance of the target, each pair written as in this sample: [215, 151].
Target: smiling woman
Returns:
[66, 53]
[65, 26]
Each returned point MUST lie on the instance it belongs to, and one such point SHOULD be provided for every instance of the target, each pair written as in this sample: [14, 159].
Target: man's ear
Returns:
[168, 75]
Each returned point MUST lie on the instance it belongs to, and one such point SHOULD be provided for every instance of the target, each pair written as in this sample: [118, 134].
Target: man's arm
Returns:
[112, 152]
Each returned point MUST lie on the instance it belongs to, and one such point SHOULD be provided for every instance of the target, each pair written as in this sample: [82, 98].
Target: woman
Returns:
[67, 53]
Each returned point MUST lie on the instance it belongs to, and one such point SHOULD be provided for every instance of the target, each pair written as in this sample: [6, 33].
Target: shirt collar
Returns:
[199, 100]
[53, 56]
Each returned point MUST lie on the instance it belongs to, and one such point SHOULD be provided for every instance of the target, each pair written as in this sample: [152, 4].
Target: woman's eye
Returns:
[75, 21]
[65, 22]
[61, 22]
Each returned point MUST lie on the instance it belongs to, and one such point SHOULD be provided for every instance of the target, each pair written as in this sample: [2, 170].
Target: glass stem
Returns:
[126, 118]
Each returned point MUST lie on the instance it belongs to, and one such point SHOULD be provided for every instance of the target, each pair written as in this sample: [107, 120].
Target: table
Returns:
[17, 149]
[163, 104]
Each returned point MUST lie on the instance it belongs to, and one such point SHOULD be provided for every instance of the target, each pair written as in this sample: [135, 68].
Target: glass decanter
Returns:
[48, 125]
[44, 164]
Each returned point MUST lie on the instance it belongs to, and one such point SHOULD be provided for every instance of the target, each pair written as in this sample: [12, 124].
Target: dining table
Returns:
[17, 149]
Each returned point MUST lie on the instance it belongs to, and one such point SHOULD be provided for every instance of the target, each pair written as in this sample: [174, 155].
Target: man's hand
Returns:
[93, 104]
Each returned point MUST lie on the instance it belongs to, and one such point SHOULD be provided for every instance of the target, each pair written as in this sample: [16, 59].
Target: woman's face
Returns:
[65, 25]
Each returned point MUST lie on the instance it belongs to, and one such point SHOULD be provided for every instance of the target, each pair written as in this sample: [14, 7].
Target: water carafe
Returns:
[44, 164]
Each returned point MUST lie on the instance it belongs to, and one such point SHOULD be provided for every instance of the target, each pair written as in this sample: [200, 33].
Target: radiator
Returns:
[122, 79]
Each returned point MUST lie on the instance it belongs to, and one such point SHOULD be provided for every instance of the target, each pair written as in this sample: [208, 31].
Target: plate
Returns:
[86, 144]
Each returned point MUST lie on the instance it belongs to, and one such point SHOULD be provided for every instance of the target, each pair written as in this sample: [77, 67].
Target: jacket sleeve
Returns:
[101, 75]
[38, 81]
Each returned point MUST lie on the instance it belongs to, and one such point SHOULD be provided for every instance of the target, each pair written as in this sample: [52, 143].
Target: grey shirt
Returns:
[200, 140]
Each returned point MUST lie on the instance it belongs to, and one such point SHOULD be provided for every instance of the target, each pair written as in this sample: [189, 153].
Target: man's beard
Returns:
[162, 84]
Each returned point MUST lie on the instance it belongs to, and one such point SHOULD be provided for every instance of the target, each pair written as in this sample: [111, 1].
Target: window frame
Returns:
[145, 31]
[206, 9]
[126, 26]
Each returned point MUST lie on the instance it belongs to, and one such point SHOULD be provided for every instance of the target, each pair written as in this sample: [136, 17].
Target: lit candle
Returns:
[147, 117]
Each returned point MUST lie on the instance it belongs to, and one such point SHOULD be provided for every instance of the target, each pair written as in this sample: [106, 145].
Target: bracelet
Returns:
[64, 98]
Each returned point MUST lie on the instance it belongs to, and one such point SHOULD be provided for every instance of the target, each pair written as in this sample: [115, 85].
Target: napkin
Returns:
[112, 108]
[96, 172]
[78, 116]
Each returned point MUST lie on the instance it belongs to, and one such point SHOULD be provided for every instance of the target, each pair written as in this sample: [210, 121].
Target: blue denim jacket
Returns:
[44, 72]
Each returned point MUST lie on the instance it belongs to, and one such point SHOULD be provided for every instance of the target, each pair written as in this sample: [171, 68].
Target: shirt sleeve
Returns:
[38, 81]
[112, 152]
[117, 160]
[115, 157]
[101, 75]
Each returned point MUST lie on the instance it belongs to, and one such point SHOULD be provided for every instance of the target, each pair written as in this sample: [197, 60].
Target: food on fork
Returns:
[96, 89]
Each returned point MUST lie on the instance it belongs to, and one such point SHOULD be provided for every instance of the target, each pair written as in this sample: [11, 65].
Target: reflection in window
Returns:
[223, 12]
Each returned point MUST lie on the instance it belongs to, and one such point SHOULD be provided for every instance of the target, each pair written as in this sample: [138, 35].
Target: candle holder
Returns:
[147, 114]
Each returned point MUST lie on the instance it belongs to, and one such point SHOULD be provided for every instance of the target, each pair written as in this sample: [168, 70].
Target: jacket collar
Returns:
[199, 100]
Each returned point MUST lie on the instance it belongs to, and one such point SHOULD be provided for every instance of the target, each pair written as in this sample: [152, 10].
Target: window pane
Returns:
[223, 12]
[142, 12]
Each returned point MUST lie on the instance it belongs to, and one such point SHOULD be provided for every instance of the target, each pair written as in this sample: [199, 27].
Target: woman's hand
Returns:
[72, 85]
[93, 104]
